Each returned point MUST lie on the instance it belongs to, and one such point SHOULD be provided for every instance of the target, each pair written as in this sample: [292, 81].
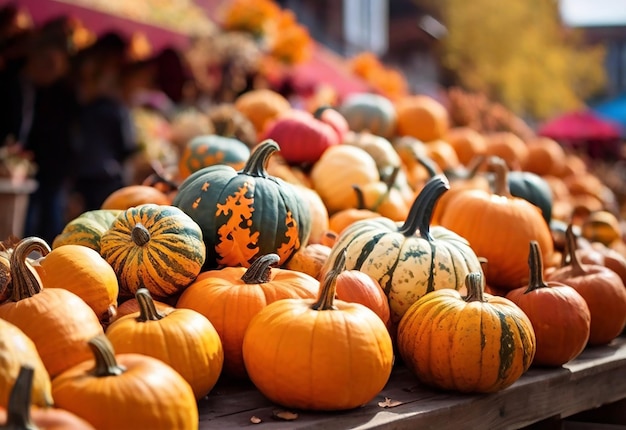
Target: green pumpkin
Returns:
[245, 214]
[533, 188]
[207, 150]
[86, 229]
[157, 247]
[408, 259]
[370, 112]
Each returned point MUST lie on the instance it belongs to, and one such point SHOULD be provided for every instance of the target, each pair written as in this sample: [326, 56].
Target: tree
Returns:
[517, 52]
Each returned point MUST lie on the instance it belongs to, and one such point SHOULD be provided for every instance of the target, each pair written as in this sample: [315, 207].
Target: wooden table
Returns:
[596, 377]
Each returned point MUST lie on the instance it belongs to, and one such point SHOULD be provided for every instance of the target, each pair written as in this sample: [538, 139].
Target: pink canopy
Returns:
[580, 126]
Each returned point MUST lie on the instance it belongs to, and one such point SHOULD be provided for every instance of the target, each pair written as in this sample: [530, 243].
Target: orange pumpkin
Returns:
[467, 143]
[135, 195]
[261, 106]
[545, 156]
[507, 146]
[422, 117]
[310, 259]
[355, 286]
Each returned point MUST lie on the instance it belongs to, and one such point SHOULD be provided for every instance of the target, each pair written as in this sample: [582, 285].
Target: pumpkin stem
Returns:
[570, 256]
[317, 114]
[501, 172]
[474, 284]
[360, 199]
[255, 166]
[427, 163]
[535, 263]
[26, 282]
[326, 298]
[140, 234]
[421, 211]
[18, 409]
[260, 270]
[147, 308]
[106, 364]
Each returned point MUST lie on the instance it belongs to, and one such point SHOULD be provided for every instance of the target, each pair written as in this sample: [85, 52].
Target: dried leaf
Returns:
[284, 415]
[255, 419]
[388, 403]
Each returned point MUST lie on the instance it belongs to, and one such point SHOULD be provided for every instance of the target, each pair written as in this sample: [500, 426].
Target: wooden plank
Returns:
[597, 377]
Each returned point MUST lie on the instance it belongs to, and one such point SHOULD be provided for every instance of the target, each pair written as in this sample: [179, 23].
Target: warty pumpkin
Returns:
[84, 272]
[207, 150]
[182, 338]
[245, 214]
[559, 314]
[19, 414]
[87, 228]
[133, 391]
[318, 354]
[232, 296]
[154, 246]
[602, 289]
[17, 350]
[57, 321]
[408, 259]
[478, 343]
[499, 227]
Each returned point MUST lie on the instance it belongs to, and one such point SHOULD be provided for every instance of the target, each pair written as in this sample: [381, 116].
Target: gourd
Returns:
[318, 354]
[245, 214]
[474, 344]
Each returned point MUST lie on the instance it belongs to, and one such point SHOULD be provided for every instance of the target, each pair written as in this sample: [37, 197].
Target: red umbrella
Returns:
[580, 126]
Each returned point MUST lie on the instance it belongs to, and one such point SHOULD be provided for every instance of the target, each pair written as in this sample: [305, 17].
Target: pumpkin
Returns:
[181, 338]
[6, 248]
[378, 147]
[499, 228]
[467, 143]
[408, 259]
[57, 321]
[152, 246]
[318, 354]
[261, 106]
[357, 287]
[422, 117]
[559, 314]
[185, 125]
[597, 253]
[545, 156]
[207, 150]
[474, 344]
[135, 195]
[507, 146]
[17, 350]
[302, 137]
[131, 306]
[133, 391]
[87, 228]
[19, 414]
[384, 198]
[232, 296]
[317, 212]
[85, 273]
[602, 289]
[337, 171]
[310, 259]
[601, 226]
[370, 112]
[338, 221]
[229, 122]
[442, 153]
[533, 188]
[245, 214]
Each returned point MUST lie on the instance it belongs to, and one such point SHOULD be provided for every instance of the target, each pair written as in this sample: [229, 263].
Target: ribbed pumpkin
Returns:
[370, 112]
[318, 354]
[499, 227]
[57, 321]
[154, 246]
[559, 315]
[245, 214]
[479, 343]
[126, 391]
[85, 273]
[232, 296]
[87, 228]
[135, 195]
[182, 338]
[408, 259]
[17, 350]
[207, 150]
[20, 414]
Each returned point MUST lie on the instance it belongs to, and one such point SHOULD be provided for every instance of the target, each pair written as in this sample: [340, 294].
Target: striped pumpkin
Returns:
[157, 247]
[408, 259]
[87, 228]
[245, 214]
[479, 343]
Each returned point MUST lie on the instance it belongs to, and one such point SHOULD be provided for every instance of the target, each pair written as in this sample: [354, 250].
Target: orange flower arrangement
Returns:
[252, 16]
[387, 81]
[290, 41]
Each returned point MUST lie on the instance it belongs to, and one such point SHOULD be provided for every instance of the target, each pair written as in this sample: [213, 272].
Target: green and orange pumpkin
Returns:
[87, 228]
[207, 150]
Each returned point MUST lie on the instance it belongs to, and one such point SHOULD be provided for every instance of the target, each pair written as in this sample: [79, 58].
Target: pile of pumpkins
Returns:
[344, 241]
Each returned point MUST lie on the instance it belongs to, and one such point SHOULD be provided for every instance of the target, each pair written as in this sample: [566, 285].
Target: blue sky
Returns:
[593, 12]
